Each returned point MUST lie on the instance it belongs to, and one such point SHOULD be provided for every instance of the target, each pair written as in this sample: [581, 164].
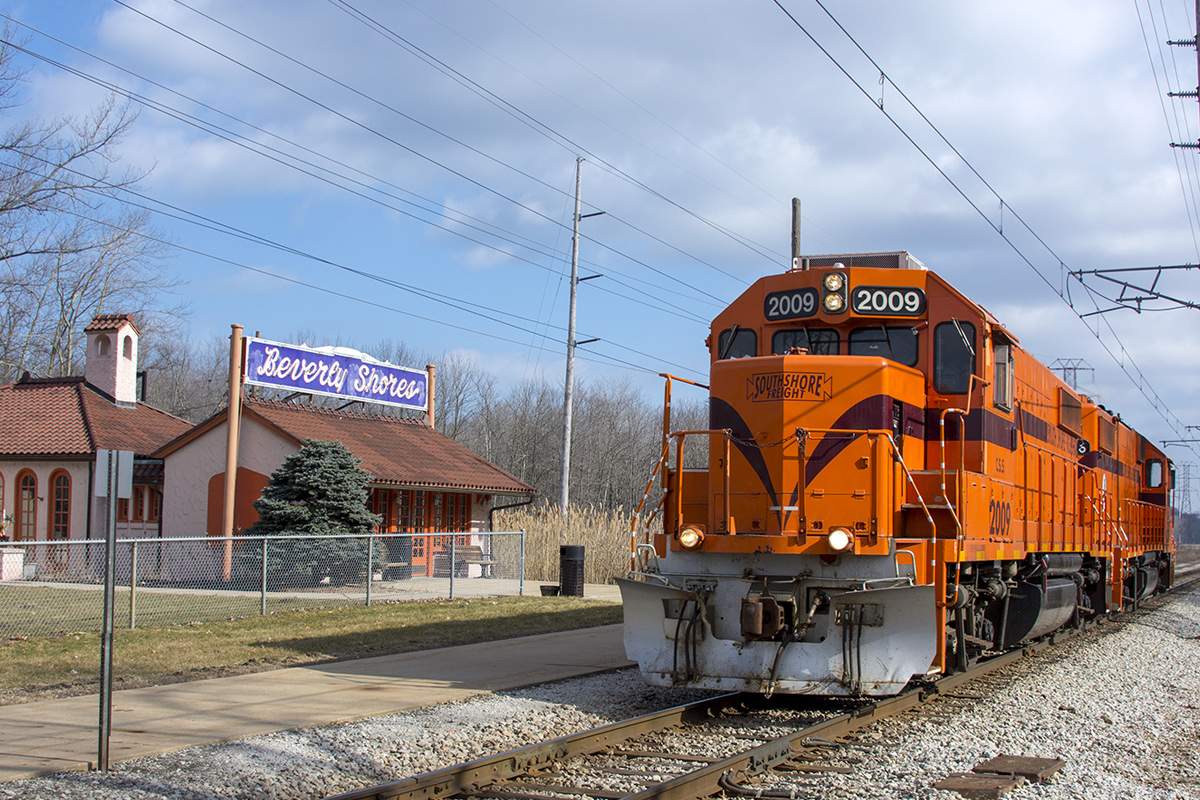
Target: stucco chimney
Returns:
[112, 356]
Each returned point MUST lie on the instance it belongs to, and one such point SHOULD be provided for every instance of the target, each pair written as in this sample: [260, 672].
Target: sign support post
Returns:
[117, 466]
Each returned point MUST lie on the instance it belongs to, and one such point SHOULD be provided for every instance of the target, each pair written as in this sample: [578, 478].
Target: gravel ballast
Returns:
[1121, 705]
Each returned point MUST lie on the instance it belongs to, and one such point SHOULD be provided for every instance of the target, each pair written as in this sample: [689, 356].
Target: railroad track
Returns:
[693, 750]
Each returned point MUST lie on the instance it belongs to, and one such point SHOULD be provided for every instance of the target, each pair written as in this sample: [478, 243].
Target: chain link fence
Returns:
[57, 588]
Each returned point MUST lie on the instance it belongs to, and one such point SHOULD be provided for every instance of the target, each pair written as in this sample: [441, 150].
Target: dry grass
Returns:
[57, 666]
[603, 533]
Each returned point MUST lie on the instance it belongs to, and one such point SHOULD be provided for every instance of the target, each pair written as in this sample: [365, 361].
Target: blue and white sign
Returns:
[335, 371]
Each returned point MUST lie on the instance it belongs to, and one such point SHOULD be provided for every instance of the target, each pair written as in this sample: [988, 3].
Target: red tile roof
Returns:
[110, 322]
[70, 417]
[395, 451]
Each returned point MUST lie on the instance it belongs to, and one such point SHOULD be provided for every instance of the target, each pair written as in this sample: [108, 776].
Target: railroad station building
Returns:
[422, 481]
[52, 428]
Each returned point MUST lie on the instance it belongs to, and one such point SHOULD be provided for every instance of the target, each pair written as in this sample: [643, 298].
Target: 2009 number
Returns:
[887, 301]
[790, 305]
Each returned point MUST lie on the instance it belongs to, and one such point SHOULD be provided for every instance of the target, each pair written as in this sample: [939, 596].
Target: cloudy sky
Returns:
[413, 162]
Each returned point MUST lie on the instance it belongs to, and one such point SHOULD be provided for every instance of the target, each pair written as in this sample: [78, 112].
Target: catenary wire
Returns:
[1125, 361]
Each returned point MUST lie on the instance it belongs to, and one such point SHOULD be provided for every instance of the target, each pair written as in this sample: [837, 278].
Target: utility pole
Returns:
[569, 391]
[571, 556]
[1193, 42]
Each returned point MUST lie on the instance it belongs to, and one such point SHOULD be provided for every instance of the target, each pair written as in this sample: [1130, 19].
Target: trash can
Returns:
[570, 570]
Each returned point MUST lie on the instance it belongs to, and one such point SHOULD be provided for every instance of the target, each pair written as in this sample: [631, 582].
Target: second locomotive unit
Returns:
[892, 487]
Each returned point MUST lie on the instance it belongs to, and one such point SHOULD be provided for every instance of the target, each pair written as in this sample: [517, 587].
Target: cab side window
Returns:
[1003, 378]
[1154, 473]
[737, 343]
[953, 357]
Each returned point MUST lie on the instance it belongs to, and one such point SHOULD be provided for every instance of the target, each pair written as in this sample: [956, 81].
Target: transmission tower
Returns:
[1070, 369]
[1183, 488]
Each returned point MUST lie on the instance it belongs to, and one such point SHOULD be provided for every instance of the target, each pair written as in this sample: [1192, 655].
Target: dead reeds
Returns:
[604, 533]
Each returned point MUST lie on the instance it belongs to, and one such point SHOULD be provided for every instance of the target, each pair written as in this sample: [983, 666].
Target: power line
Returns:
[1125, 362]
[546, 130]
[351, 120]
[475, 309]
[289, 160]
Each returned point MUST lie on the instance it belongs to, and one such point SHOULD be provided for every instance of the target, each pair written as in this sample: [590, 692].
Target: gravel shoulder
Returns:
[1121, 705]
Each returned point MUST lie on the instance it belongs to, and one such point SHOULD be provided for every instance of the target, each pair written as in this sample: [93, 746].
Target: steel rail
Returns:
[706, 780]
[524, 760]
[474, 776]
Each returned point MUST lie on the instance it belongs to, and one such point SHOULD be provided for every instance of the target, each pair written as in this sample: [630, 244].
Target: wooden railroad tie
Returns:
[997, 776]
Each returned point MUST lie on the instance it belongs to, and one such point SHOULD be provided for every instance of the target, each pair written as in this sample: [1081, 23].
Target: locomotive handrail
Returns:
[638, 513]
[911, 555]
[962, 456]
[1110, 522]
[728, 434]
[666, 433]
[899, 457]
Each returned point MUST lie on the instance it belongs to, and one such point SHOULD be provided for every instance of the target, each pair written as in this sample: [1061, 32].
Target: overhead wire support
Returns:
[1148, 293]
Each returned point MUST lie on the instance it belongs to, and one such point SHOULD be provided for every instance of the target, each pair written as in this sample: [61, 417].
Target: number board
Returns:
[887, 301]
[793, 304]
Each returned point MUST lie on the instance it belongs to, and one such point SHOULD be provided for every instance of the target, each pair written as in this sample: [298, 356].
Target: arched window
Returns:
[102, 345]
[127, 347]
[26, 507]
[60, 506]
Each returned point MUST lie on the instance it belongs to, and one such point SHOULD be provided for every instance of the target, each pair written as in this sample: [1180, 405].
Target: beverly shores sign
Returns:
[338, 372]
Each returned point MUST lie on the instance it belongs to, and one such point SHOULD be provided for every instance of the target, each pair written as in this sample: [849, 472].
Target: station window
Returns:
[818, 342]
[60, 506]
[1003, 377]
[953, 357]
[155, 513]
[26, 507]
[737, 343]
[899, 345]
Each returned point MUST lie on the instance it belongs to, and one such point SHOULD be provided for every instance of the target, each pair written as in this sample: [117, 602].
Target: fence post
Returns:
[263, 597]
[370, 565]
[521, 576]
[132, 584]
[452, 565]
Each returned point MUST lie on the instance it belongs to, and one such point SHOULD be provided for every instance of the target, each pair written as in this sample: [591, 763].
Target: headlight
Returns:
[691, 538]
[833, 292]
[839, 539]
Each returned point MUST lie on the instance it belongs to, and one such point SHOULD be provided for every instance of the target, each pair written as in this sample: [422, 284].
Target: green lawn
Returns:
[69, 664]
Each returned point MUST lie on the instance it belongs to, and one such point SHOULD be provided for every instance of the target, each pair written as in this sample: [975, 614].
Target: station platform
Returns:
[59, 735]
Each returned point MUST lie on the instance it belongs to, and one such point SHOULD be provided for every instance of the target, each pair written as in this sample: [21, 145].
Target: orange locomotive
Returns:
[893, 487]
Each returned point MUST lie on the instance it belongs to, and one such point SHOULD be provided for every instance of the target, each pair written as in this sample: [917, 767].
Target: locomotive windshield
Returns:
[818, 342]
[899, 344]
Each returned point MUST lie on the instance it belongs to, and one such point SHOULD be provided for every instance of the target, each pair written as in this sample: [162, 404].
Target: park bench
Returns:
[464, 556]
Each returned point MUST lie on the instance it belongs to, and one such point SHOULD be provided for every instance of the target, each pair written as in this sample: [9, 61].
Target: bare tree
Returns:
[189, 380]
[69, 248]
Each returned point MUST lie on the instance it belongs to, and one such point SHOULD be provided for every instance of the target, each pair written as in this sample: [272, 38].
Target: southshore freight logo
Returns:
[812, 386]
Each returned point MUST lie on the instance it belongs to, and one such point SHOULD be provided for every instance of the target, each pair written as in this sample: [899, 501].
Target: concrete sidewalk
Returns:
[57, 735]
